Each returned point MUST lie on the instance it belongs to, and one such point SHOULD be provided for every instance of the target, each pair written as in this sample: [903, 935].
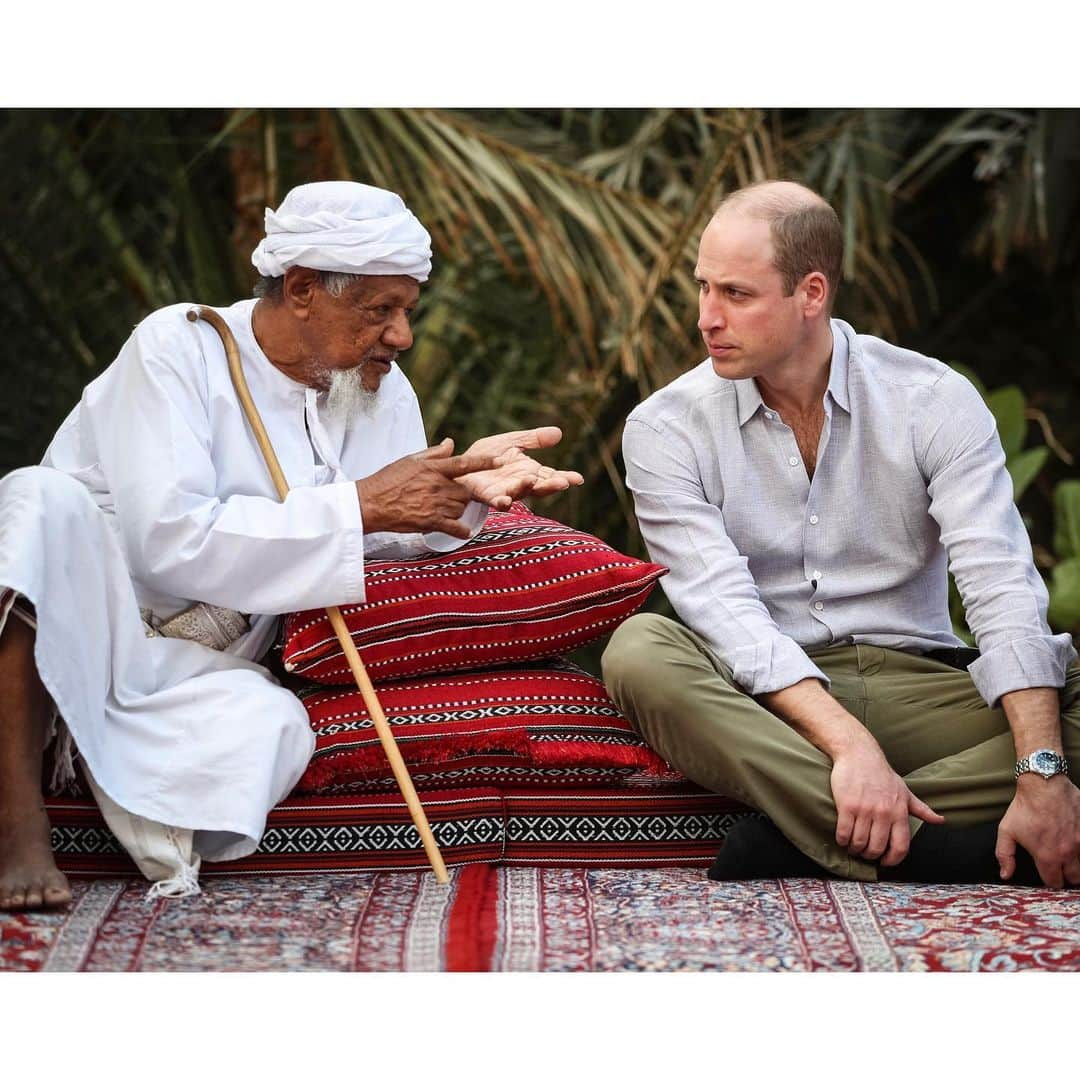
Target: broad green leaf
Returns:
[1007, 405]
[1064, 611]
[1024, 467]
[1067, 519]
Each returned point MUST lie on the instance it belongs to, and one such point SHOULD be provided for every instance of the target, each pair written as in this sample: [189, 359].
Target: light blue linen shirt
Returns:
[766, 563]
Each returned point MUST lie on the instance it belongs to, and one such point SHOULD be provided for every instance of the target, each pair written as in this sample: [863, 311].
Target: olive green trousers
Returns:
[953, 752]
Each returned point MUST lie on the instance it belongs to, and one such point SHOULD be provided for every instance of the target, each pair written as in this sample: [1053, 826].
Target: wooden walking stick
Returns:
[367, 691]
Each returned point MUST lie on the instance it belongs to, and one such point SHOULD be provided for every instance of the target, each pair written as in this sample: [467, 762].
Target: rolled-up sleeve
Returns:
[709, 584]
[971, 499]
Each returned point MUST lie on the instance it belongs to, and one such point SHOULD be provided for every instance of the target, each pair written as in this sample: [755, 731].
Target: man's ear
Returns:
[299, 289]
[815, 288]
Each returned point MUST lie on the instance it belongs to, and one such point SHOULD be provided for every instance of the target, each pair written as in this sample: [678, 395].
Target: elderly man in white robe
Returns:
[154, 497]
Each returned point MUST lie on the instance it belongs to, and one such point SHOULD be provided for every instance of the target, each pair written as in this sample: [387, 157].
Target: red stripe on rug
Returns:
[471, 928]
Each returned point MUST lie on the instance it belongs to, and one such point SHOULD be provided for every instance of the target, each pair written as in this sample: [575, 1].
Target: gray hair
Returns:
[334, 282]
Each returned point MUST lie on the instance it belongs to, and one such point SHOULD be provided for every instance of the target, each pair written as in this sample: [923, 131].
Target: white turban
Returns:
[347, 227]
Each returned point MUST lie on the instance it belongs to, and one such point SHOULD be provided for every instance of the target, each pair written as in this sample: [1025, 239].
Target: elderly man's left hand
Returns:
[516, 474]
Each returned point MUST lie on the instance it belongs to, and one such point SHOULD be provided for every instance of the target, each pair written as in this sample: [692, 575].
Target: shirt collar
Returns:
[748, 398]
[838, 370]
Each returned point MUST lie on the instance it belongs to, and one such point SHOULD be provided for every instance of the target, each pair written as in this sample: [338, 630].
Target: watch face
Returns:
[1044, 762]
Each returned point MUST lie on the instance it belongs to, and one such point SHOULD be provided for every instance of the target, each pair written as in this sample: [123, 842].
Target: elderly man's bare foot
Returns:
[28, 874]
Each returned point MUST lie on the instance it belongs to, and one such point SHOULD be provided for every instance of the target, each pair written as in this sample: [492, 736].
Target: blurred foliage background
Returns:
[565, 242]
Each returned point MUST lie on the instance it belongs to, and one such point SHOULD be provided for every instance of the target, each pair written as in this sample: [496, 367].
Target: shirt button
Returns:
[770, 415]
[819, 606]
[813, 519]
[817, 575]
[793, 461]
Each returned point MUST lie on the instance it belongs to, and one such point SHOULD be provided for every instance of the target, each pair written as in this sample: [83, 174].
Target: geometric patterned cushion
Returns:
[524, 588]
[538, 725]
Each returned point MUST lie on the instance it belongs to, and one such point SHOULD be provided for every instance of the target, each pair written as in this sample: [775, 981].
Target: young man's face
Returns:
[747, 323]
[365, 328]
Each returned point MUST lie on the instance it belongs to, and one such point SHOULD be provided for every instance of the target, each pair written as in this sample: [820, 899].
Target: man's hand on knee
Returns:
[873, 804]
[1044, 819]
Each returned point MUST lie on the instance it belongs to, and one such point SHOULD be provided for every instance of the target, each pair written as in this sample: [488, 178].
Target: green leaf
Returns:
[1024, 467]
[1007, 405]
[1067, 519]
[1064, 611]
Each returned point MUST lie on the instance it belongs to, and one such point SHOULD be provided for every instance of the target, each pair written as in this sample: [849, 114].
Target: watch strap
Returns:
[1024, 765]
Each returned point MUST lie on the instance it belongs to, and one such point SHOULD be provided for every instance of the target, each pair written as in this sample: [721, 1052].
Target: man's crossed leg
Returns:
[952, 751]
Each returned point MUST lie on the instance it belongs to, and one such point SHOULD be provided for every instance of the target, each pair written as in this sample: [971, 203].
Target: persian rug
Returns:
[532, 918]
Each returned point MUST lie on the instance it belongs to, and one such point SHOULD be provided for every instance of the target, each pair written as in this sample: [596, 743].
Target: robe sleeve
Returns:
[251, 553]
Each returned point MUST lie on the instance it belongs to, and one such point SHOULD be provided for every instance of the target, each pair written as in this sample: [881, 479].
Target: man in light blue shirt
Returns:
[808, 487]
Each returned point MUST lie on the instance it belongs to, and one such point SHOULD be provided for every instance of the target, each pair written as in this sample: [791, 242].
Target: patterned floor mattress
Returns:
[637, 825]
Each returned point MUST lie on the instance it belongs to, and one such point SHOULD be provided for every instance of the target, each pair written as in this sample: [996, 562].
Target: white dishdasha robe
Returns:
[154, 494]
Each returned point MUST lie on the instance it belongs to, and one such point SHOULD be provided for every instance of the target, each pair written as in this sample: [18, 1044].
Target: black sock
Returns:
[949, 855]
[756, 848]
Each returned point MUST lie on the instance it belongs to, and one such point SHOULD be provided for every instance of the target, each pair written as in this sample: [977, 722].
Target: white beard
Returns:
[348, 400]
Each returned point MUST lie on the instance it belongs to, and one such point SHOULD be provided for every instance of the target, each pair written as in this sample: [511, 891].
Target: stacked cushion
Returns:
[460, 646]
[523, 589]
[536, 725]
[525, 764]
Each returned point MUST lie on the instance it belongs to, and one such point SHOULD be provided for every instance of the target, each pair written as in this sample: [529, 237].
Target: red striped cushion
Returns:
[535, 725]
[525, 588]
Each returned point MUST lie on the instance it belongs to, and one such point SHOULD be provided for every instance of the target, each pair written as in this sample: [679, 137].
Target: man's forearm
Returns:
[872, 802]
[1035, 719]
[817, 717]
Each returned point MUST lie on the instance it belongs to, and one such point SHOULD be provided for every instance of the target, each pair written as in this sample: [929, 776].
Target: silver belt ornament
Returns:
[209, 625]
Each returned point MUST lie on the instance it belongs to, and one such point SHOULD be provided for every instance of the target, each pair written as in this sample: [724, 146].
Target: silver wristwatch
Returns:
[1044, 762]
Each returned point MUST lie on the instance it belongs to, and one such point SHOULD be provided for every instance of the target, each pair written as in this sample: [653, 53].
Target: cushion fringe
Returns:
[372, 763]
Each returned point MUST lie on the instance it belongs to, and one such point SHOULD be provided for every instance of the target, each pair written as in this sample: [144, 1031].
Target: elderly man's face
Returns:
[364, 329]
[746, 321]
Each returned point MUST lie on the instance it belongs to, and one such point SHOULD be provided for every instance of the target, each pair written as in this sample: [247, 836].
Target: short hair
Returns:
[806, 231]
[333, 281]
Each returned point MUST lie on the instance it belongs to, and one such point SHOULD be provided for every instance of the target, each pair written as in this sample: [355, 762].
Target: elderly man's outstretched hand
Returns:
[515, 473]
[428, 491]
